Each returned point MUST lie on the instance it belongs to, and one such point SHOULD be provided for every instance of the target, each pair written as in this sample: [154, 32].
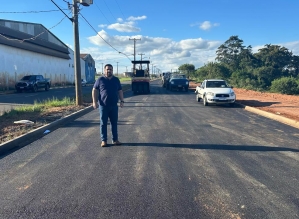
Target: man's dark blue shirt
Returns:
[108, 90]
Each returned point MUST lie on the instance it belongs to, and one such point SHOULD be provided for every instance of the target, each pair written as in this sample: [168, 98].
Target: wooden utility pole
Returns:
[77, 55]
[77, 67]
[117, 69]
[141, 54]
[134, 52]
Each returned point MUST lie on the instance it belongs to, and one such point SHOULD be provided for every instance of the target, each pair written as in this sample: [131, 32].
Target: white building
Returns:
[29, 48]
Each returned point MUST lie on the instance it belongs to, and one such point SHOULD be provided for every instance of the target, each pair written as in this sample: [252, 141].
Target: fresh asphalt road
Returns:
[179, 160]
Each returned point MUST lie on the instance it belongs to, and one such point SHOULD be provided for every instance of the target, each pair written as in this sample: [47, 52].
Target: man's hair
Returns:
[108, 65]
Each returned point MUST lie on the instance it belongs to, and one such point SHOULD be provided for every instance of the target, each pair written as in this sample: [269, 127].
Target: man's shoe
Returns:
[103, 144]
[116, 142]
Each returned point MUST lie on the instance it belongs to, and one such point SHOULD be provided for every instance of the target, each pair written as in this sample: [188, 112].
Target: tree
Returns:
[213, 70]
[187, 69]
[275, 56]
[294, 66]
[229, 52]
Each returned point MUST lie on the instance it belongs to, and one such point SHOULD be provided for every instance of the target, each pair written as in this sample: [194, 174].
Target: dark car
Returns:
[33, 83]
[178, 82]
[165, 79]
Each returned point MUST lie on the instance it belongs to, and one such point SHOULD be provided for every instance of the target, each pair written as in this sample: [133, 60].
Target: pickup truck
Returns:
[33, 83]
[215, 91]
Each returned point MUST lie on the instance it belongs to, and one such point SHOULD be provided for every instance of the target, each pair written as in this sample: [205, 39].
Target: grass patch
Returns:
[66, 101]
[122, 79]
[39, 107]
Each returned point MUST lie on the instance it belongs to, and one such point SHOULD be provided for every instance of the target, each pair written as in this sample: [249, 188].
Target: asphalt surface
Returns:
[179, 160]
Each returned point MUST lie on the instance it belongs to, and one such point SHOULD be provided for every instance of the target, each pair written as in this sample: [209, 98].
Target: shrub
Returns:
[285, 85]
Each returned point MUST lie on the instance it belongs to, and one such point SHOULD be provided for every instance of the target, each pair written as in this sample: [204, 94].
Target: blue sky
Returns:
[171, 33]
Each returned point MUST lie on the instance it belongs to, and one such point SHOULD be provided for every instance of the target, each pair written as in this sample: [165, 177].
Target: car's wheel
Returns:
[197, 98]
[19, 90]
[47, 87]
[186, 89]
[34, 89]
[205, 102]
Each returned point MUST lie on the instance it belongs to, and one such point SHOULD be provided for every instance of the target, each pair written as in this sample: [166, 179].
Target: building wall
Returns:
[15, 63]
[82, 66]
[90, 70]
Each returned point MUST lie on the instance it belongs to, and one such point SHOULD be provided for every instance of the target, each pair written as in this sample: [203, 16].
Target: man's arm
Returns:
[94, 98]
[121, 97]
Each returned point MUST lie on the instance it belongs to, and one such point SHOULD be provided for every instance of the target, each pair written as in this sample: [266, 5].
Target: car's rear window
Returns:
[216, 84]
[28, 78]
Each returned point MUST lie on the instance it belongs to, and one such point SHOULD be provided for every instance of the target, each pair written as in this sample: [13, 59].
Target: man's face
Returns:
[108, 71]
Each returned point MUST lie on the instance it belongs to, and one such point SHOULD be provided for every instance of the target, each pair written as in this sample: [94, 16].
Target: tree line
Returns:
[273, 68]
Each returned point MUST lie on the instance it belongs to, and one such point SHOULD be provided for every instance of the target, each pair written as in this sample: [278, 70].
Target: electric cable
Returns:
[120, 9]
[109, 9]
[102, 12]
[103, 38]
[34, 37]
[28, 12]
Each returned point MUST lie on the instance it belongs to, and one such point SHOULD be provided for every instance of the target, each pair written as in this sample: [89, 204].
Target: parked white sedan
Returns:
[215, 91]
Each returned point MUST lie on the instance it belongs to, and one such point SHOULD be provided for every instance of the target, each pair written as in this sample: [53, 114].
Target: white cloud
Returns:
[126, 27]
[162, 51]
[291, 46]
[102, 25]
[136, 18]
[207, 25]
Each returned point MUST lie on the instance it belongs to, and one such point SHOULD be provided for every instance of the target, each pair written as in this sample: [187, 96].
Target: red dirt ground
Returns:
[279, 104]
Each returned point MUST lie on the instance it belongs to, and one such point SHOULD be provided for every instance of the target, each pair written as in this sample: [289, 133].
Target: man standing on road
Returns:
[106, 92]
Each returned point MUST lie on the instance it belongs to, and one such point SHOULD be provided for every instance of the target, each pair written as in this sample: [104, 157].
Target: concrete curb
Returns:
[275, 117]
[35, 134]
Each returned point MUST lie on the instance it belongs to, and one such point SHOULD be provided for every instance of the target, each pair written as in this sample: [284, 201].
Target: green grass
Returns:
[122, 79]
[66, 101]
[38, 107]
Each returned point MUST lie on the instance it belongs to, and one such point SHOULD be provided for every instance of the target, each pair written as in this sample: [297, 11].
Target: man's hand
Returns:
[95, 105]
[121, 104]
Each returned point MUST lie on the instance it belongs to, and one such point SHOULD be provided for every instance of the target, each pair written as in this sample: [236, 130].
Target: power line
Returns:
[109, 9]
[71, 19]
[27, 12]
[102, 37]
[102, 12]
[34, 37]
[120, 8]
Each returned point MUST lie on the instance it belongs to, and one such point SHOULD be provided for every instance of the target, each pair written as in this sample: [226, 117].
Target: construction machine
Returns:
[141, 77]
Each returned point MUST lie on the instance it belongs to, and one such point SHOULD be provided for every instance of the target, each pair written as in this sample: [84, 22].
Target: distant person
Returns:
[106, 92]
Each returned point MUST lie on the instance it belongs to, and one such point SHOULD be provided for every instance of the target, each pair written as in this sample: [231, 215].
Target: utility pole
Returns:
[117, 69]
[77, 68]
[134, 52]
[77, 55]
[102, 68]
[152, 69]
[141, 54]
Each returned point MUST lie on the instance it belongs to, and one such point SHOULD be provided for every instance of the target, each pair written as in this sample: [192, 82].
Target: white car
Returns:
[215, 91]
[83, 82]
